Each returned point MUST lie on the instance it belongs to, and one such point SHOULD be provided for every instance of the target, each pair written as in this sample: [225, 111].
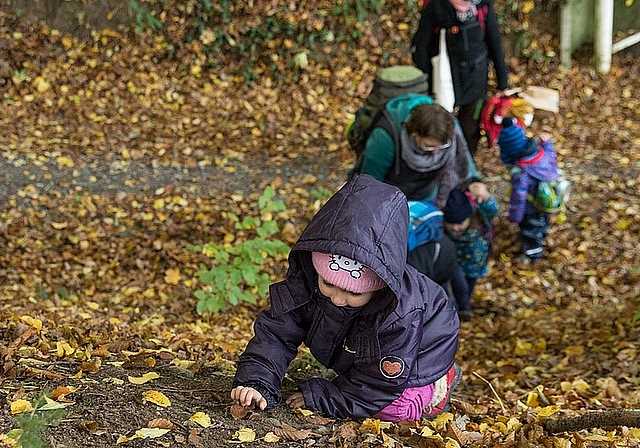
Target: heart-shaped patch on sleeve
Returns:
[391, 366]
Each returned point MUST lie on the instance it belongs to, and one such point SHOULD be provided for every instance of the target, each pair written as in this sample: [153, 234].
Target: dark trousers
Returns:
[434, 259]
[533, 230]
[469, 118]
[462, 288]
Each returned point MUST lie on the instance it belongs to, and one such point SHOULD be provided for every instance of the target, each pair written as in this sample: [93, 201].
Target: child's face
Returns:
[457, 229]
[342, 297]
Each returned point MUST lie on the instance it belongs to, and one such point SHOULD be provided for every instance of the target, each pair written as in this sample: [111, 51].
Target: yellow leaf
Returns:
[532, 399]
[371, 425]
[304, 412]
[144, 433]
[440, 422]
[547, 411]
[59, 225]
[144, 378]
[63, 349]
[35, 323]
[245, 435]
[450, 443]
[528, 6]
[623, 224]
[271, 438]
[201, 419]
[67, 42]
[65, 161]
[172, 276]
[20, 406]
[155, 397]
[574, 350]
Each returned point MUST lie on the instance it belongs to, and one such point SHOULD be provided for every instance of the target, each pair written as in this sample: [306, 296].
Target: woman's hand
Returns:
[296, 400]
[248, 397]
[479, 192]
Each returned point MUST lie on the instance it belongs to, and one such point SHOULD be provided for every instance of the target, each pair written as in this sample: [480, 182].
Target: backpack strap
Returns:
[386, 122]
[383, 120]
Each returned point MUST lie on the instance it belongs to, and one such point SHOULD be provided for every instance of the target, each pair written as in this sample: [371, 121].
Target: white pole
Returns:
[604, 34]
[566, 46]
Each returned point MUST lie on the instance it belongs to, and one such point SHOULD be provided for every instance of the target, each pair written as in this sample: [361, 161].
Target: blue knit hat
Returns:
[458, 207]
[512, 141]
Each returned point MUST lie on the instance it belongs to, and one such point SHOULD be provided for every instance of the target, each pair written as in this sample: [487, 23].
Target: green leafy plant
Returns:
[321, 192]
[237, 272]
[144, 19]
[357, 8]
[45, 412]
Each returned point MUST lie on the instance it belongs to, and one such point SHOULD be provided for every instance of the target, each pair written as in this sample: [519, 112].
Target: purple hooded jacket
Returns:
[525, 175]
[406, 336]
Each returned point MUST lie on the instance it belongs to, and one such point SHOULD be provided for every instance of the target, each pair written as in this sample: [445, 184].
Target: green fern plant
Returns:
[45, 412]
[236, 274]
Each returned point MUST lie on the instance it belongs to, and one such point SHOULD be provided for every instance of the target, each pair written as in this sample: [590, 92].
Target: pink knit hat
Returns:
[346, 273]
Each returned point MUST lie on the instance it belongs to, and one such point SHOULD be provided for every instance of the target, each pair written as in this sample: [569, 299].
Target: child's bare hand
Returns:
[543, 136]
[248, 397]
[296, 400]
[479, 192]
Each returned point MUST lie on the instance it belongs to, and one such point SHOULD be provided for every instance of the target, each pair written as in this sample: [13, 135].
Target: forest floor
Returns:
[110, 170]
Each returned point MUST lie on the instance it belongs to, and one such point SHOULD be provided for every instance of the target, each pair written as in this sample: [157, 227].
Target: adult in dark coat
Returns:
[392, 345]
[473, 38]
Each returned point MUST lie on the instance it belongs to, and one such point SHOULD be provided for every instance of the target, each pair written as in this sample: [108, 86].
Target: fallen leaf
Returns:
[238, 412]
[155, 397]
[20, 406]
[172, 276]
[244, 435]
[201, 419]
[162, 423]
[149, 376]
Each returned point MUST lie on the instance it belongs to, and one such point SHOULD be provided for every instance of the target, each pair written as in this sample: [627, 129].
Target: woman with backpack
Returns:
[427, 155]
[472, 39]
[422, 151]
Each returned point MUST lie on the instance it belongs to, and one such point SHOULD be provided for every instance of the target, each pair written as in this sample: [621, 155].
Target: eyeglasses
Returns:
[436, 148]
[427, 148]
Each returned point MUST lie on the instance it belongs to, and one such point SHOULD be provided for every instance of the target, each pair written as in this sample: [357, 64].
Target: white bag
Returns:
[442, 81]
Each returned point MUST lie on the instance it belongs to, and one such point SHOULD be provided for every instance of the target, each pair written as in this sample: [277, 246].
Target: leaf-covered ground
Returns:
[114, 159]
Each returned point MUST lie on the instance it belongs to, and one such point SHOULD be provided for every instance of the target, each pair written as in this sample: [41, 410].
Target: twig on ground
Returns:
[492, 390]
[598, 419]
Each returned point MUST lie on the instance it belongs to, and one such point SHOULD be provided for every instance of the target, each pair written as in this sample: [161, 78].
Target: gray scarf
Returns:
[450, 167]
[421, 161]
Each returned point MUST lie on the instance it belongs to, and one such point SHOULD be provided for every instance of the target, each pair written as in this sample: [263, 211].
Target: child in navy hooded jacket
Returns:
[530, 162]
[389, 332]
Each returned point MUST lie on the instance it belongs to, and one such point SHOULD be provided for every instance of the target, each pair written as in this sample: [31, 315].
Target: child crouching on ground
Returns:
[470, 228]
[389, 332]
[530, 162]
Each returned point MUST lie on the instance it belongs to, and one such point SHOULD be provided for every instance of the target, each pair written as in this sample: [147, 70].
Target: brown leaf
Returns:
[456, 434]
[238, 412]
[101, 352]
[161, 423]
[292, 434]
[89, 425]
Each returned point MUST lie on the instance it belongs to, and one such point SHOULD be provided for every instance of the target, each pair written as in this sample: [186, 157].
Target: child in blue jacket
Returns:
[530, 162]
[389, 332]
[469, 221]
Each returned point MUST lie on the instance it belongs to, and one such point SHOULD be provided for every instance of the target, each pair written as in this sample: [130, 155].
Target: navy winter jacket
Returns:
[470, 46]
[406, 336]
